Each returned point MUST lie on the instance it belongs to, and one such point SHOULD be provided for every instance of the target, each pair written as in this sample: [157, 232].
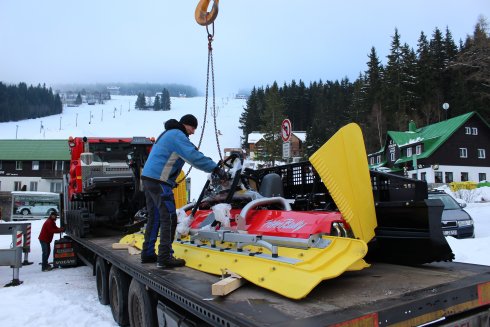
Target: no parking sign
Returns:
[286, 130]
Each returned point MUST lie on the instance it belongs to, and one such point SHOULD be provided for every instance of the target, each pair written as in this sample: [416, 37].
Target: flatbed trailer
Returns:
[454, 294]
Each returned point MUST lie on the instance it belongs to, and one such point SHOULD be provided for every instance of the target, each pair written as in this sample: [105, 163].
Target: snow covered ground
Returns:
[68, 297]
[118, 118]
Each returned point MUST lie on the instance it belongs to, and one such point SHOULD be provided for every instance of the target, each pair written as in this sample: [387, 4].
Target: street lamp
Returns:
[445, 106]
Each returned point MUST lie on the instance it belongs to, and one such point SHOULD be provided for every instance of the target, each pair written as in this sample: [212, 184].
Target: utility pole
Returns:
[76, 120]
[16, 130]
[60, 123]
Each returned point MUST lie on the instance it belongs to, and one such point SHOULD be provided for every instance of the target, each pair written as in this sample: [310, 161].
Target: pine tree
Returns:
[140, 102]
[157, 105]
[165, 101]
[271, 119]
[472, 65]
[250, 119]
[392, 82]
[78, 99]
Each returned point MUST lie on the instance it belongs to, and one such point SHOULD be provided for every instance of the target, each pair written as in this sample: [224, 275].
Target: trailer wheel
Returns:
[102, 279]
[141, 306]
[118, 295]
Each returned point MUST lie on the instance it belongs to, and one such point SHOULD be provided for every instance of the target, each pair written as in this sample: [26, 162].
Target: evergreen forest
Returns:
[161, 102]
[412, 85]
[18, 102]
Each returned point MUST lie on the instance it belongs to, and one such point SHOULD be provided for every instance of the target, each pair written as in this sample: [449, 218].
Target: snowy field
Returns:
[118, 118]
[68, 297]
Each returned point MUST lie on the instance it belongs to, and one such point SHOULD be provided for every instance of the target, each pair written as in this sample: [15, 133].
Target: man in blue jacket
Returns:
[167, 157]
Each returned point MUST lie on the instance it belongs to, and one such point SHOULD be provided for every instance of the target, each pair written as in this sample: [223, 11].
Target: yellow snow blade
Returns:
[342, 164]
[294, 273]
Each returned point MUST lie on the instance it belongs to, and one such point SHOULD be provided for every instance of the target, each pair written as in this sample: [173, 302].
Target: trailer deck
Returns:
[384, 294]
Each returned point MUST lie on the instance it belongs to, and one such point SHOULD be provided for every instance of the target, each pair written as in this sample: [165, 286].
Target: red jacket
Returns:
[48, 230]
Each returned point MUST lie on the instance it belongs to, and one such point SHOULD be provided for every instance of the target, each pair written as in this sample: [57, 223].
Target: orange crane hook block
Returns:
[203, 17]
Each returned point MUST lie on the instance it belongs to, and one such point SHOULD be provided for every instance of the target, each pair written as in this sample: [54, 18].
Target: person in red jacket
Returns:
[46, 236]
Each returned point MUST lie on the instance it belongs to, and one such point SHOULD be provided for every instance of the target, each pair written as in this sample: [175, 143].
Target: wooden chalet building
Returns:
[456, 150]
[33, 165]
[256, 147]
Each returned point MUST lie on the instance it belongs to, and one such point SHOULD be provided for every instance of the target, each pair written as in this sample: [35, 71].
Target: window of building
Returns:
[35, 165]
[448, 176]
[467, 130]
[463, 152]
[423, 176]
[409, 152]
[481, 154]
[18, 165]
[392, 156]
[17, 186]
[378, 159]
[438, 177]
[58, 165]
[474, 131]
[371, 161]
[414, 176]
[33, 186]
[464, 176]
[482, 177]
[418, 149]
[55, 187]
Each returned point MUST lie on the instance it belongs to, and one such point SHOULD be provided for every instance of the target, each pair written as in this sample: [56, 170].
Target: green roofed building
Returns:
[456, 150]
[33, 165]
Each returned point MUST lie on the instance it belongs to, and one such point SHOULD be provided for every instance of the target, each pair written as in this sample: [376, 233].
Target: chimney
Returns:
[411, 126]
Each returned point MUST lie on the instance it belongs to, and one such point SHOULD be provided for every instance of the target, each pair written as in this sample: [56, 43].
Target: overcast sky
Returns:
[256, 41]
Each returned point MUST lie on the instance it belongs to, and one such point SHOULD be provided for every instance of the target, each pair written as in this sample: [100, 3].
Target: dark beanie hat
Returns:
[189, 120]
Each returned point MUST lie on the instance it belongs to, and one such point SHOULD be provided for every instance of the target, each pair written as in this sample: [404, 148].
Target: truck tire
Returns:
[141, 306]
[118, 295]
[102, 280]
[25, 212]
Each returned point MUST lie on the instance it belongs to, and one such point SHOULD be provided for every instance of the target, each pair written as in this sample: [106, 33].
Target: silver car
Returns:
[455, 221]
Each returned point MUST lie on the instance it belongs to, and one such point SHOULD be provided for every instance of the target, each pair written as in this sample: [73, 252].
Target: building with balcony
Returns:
[33, 165]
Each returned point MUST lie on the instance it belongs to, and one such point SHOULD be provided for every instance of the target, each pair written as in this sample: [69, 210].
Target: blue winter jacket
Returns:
[170, 152]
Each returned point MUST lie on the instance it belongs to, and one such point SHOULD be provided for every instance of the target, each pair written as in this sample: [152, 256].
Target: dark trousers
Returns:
[46, 248]
[162, 217]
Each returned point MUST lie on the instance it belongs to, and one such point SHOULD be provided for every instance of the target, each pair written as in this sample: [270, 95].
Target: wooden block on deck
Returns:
[120, 246]
[133, 251]
[227, 285]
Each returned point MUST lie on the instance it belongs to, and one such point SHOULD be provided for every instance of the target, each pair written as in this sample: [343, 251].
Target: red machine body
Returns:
[295, 224]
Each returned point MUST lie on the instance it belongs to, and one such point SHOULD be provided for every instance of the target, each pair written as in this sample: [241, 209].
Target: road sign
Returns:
[286, 130]
[286, 150]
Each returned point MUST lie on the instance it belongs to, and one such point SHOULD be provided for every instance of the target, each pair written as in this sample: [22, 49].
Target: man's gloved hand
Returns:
[221, 173]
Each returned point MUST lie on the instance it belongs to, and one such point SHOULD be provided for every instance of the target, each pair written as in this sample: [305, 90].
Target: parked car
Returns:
[455, 221]
[38, 209]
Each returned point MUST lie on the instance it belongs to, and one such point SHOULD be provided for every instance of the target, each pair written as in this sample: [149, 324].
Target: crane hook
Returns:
[203, 17]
